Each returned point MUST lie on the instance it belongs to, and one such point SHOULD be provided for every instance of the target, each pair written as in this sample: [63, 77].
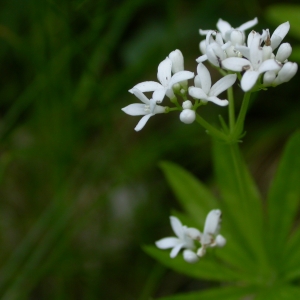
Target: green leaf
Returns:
[206, 268]
[279, 292]
[281, 13]
[194, 197]
[283, 199]
[241, 200]
[224, 293]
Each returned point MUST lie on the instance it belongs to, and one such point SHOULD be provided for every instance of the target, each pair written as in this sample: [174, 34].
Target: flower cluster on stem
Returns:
[187, 237]
[256, 61]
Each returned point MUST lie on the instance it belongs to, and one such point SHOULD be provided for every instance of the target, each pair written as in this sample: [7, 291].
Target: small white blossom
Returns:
[177, 61]
[147, 110]
[203, 89]
[166, 81]
[182, 241]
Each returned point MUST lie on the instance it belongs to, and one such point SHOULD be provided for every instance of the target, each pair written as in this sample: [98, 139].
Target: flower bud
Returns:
[187, 104]
[284, 51]
[201, 252]
[187, 116]
[269, 77]
[267, 52]
[285, 74]
[202, 46]
[177, 61]
[220, 241]
[237, 37]
[190, 256]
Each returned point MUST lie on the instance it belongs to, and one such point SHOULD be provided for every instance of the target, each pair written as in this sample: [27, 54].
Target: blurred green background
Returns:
[81, 191]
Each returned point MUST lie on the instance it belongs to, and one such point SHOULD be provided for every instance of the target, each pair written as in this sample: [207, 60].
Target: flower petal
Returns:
[136, 109]
[164, 71]
[141, 96]
[249, 79]
[248, 25]
[217, 101]
[269, 65]
[223, 84]
[159, 95]
[236, 64]
[168, 242]
[197, 93]
[175, 250]
[203, 80]
[244, 50]
[177, 227]
[146, 86]
[180, 76]
[223, 26]
[212, 222]
[279, 34]
[256, 52]
[140, 125]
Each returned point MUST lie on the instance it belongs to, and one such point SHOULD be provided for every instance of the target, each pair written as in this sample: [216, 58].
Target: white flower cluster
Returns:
[186, 237]
[226, 49]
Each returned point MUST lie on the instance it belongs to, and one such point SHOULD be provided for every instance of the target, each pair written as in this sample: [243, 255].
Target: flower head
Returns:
[187, 235]
[183, 240]
[165, 78]
[203, 89]
[147, 110]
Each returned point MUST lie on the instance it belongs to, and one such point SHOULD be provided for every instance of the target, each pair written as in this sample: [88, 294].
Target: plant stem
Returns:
[210, 129]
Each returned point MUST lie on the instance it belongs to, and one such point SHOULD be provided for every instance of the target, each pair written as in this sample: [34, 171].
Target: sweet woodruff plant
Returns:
[253, 62]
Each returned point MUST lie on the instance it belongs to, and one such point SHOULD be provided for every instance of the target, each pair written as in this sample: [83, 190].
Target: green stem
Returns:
[210, 129]
[231, 109]
[239, 125]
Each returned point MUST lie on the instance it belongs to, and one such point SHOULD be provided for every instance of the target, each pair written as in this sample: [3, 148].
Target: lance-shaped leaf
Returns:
[241, 200]
[284, 198]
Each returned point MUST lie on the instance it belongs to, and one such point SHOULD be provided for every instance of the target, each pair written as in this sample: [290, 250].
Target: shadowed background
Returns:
[81, 191]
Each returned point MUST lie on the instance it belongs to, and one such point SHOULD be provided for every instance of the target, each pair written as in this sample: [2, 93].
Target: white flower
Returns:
[177, 61]
[148, 109]
[254, 65]
[210, 236]
[183, 240]
[203, 89]
[166, 81]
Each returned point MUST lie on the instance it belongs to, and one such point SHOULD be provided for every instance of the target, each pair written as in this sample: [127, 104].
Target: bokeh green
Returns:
[81, 191]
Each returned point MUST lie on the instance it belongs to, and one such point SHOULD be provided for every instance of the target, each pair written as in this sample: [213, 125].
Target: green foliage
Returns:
[260, 253]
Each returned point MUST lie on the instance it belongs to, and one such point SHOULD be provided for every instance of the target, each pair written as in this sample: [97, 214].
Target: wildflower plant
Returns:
[249, 245]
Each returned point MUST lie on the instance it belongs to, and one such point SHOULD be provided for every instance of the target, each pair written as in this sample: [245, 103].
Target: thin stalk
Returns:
[239, 126]
[210, 129]
[231, 110]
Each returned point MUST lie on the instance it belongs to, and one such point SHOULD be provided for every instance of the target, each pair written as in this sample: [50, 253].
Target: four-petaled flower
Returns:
[203, 89]
[182, 241]
[166, 80]
[147, 110]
